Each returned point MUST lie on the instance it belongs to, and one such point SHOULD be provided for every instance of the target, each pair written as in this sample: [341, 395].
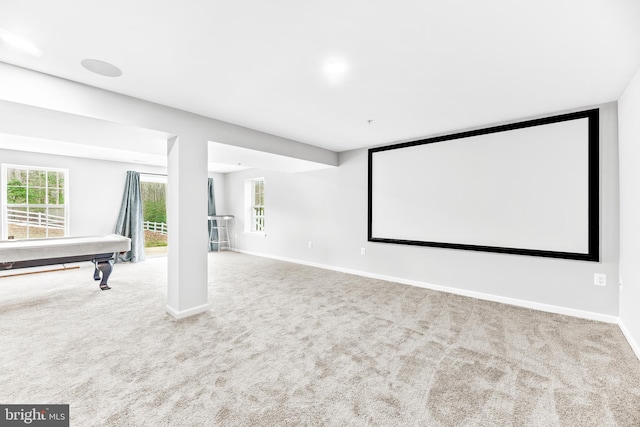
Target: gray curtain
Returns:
[212, 211]
[130, 220]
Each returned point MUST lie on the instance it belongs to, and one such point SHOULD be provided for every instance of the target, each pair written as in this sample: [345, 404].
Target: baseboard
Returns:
[479, 295]
[186, 313]
[634, 345]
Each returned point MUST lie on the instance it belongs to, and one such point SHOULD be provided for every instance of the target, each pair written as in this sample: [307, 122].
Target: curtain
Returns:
[130, 220]
[213, 234]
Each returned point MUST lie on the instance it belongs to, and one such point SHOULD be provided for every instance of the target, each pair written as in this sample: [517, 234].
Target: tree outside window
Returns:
[154, 211]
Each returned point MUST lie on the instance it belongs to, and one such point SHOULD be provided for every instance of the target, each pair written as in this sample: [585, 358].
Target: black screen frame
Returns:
[593, 253]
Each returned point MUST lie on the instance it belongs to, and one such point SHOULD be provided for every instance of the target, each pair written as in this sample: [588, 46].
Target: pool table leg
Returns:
[104, 267]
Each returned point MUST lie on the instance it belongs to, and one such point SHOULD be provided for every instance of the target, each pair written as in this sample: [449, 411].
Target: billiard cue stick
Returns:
[40, 271]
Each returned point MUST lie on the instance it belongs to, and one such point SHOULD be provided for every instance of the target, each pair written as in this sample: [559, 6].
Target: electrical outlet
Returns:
[363, 251]
[310, 244]
[600, 279]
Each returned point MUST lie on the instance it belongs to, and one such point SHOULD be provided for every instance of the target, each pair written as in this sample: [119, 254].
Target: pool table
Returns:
[62, 250]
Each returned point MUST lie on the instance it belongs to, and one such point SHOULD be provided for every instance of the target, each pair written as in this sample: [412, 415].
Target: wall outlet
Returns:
[310, 244]
[600, 279]
[363, 251]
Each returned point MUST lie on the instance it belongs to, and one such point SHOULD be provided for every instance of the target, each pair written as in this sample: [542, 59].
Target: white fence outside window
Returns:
[34, 219]
[158, 227]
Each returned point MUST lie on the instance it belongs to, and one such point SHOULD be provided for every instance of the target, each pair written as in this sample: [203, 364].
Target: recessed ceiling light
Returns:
[18, 42]
[335, 66]
[101, 67]
[335, 69]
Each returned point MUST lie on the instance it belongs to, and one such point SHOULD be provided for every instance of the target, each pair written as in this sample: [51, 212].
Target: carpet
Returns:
[291, 345]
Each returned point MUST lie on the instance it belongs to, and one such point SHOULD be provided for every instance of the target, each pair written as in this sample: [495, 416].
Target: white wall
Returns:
[629, 123]
[329, 208]
[95, 187]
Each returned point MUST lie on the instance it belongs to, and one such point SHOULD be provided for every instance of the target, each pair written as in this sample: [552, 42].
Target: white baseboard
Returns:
[634, 345]
[479, 295]
[186, 313]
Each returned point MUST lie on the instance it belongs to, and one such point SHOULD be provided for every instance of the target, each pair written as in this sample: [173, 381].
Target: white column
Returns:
[187, 292]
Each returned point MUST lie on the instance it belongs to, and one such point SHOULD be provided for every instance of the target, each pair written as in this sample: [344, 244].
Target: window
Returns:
[154, 210]
[255, 204]
[34, 202]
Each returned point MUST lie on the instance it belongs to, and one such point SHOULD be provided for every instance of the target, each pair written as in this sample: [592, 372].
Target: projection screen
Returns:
[529, 188]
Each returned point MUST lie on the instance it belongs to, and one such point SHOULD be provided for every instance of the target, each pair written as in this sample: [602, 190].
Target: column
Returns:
[187, 292]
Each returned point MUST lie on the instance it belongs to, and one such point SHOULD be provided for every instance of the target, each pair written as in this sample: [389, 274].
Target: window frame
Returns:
[4, 167]
[254, 222]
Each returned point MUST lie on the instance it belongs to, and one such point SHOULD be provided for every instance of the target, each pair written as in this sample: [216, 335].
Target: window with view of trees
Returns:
[35, 202]
[257, 205]
[154, 210]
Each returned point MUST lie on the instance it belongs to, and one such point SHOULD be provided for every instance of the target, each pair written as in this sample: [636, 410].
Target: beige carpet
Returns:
[291, 345]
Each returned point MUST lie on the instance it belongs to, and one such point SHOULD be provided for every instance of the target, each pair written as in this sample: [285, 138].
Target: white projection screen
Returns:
[529, 188]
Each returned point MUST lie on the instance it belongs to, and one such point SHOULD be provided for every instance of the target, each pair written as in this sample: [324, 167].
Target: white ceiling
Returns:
[414, 67]
[67, 134]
